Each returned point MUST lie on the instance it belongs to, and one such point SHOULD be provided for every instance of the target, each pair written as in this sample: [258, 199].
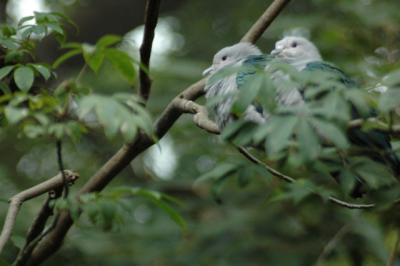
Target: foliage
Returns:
[84, 95]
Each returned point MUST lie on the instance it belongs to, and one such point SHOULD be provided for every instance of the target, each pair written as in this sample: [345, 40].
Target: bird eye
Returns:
[294, 44]
[224, 58]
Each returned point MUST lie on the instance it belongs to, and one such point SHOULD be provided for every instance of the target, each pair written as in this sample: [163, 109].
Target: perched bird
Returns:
[224, 88]
[305, 57]
[249, 59]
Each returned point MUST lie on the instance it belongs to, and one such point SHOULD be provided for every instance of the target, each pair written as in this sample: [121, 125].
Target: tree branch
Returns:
[203, 122]
[128, 152]
[200, 113]
[150, 22]
[264, 21]
[393, 129]
[17, 200]
[289, 179]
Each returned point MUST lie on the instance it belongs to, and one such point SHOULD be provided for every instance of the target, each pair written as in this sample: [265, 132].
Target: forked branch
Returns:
[17, 200]
[129, 151]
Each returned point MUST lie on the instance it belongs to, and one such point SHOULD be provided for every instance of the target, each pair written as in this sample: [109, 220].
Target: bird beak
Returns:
[276, 52]
[208, 71]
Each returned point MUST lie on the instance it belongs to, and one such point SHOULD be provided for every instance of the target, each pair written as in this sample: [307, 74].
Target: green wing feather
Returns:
[250, 66]
[331, 69]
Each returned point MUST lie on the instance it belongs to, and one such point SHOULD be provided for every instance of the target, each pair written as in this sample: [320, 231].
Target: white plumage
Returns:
[296, 51]
[225, 88]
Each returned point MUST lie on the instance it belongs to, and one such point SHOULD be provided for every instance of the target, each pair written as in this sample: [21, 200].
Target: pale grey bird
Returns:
[305, 57]
[296, 51]
[225, 88]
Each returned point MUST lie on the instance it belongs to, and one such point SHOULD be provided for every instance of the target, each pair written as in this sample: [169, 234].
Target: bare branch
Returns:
[289, 179]
[150, 22]
[17, 200]
[128, 152]
[200, 117]
[393, 130]
[264, 21]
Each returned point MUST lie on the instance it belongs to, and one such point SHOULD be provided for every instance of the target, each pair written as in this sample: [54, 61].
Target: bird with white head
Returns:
[225, 87]
[305, 57]
[296, 51]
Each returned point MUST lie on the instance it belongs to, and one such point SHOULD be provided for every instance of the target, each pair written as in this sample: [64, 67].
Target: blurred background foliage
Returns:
[242, 226]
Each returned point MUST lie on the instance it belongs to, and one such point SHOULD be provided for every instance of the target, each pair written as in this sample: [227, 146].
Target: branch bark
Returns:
[264, 21]
[150, 23]
[393, 130]
[53, 241]
[17, 200]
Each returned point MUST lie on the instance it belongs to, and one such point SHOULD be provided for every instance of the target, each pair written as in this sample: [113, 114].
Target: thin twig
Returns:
[52, 242]
[61, 167]
[205, 123]
[17, 200]
[150, 22]
[330, 246]
[289, 179]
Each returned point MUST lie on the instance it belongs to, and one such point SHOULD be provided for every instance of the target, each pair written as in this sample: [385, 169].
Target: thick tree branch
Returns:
[17, 200]
[150, 23]
[128, 152]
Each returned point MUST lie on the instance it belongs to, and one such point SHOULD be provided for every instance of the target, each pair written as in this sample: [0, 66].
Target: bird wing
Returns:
[250, 66]
[331, 69]
[375, 140]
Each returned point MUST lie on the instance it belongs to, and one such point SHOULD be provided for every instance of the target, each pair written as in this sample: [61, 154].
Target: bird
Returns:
[303, 55]
[248, 59]
[223, 89]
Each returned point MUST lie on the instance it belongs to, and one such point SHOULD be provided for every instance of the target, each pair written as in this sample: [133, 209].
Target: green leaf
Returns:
[66, 56]
[308, 140]
[14, 115]
[4, 71]
[280, 129]
[392, 79]
[24, 19]
[43, 70]
[123, 63]
[107, 41]
[389, 100]
[174, 215]
[347, 181]
[375, 174]
[9, 43]
[24, 77]
[219, 171]
[93, 57]
[248, 93]
[331, 132]
[115, 115]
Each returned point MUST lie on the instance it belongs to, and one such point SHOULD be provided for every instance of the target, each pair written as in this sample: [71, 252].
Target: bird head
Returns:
[230, 55]
[297, 51]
